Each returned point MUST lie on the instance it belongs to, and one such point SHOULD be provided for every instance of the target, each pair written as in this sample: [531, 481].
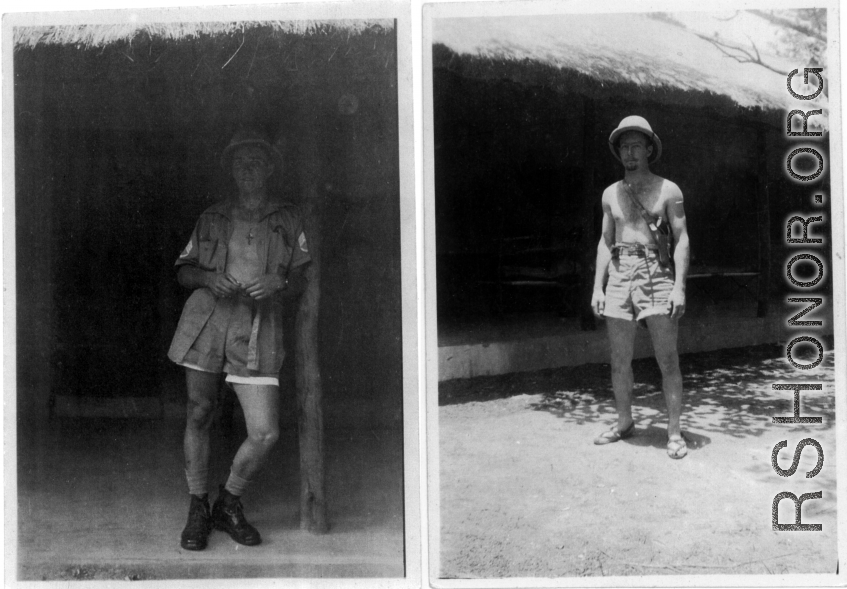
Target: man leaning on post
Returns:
[244, 261]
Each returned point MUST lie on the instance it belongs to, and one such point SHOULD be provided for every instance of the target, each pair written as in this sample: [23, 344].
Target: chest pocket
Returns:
[212, 245]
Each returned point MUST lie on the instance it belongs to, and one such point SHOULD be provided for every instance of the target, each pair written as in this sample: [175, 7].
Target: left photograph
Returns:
[209, 297]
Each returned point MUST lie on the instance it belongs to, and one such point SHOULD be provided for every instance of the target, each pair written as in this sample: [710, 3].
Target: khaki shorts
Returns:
[231, 378]
[638, 286]
[223, 344]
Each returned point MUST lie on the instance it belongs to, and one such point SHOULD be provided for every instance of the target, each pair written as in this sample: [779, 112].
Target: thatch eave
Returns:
[102, 35]
[630, 52]
[570, 82]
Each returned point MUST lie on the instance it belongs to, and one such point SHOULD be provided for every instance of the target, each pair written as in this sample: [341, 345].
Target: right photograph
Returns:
[634, 293]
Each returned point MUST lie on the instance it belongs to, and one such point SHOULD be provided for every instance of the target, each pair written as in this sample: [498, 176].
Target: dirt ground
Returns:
[525, 493]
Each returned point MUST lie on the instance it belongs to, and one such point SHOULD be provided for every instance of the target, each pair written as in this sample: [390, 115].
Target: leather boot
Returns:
[199, 525]
[228, 516]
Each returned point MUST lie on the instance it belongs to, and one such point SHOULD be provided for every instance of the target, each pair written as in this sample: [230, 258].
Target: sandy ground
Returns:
[525, 493]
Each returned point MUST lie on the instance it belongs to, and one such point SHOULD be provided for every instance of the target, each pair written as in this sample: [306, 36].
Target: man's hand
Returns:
[221, 285]
[598, 302]
[265, 286]
[676, 303]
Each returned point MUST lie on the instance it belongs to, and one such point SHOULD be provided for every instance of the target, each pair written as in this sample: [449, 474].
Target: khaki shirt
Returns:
[281, 245]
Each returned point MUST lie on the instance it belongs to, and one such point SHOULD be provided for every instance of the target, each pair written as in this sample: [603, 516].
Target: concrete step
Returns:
[525, 348]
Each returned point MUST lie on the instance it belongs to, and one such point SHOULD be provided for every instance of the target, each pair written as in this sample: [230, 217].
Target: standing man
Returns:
[245, 255]
[645, 285]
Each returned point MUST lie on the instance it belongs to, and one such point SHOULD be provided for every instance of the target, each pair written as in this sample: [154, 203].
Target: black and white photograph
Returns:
[210, 316]
[635, 293]
[421, 293]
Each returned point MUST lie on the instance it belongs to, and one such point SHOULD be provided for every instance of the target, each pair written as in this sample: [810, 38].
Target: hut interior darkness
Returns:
[521, 160]
[117, 148]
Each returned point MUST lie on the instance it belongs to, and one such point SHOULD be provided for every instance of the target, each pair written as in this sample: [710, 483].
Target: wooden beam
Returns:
[307, 368]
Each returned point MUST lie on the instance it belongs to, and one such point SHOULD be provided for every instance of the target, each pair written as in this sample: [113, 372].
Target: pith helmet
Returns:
[636, 123]
[246, 136]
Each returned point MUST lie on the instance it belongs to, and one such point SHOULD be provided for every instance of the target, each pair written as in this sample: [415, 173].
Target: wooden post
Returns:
[307, 368]
[763, 225]
[587, 242]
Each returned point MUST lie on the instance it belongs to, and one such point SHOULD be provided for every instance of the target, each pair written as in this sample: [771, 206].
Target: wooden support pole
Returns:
[307, 368]
[763, 225]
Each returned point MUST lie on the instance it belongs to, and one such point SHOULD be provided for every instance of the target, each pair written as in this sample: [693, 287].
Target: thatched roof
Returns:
[651, 51]
[100, 35]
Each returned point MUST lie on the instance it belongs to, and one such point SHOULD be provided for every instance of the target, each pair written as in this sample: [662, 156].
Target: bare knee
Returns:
[668, 364]
[265, 436]
[199, 412]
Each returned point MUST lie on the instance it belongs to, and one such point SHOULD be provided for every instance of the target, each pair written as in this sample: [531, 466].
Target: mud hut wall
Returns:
[361, 323]
[507, 164]
[117, 154]
[33, 226]
[491, 139]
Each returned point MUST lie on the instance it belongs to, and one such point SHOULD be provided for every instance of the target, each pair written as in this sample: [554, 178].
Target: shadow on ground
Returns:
[657, 437]
[726, 391]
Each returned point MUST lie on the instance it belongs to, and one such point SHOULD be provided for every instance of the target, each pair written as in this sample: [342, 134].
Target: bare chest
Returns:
[243, 261]
[630, 201]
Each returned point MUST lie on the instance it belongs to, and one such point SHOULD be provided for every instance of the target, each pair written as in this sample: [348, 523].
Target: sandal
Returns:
[677, 448]
[614, 435]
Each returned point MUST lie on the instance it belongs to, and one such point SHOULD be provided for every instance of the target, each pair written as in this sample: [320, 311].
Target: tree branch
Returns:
[742, 55]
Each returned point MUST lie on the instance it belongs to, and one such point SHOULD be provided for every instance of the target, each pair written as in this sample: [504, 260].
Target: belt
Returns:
[635, 249]
[256, 320]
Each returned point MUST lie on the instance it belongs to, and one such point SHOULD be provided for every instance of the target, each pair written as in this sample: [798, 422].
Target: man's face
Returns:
[634, 149]
[251, 167]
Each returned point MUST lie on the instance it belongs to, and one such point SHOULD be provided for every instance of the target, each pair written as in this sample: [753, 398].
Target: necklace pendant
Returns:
[250, 237]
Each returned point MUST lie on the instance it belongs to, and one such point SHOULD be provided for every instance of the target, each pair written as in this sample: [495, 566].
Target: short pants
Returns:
[257, 380]
[638, 286]
[223, 344]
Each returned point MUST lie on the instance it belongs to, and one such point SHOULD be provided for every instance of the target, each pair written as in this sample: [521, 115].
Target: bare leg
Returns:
[663, 331]
[260, 404]
[621, 339]
[202, 391]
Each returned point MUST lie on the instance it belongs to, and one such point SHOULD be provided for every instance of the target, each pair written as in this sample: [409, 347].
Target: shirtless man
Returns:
[640, 290]
[244, 256]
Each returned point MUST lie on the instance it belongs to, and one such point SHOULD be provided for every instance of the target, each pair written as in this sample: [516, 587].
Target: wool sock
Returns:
[236, 485]
[198, 481]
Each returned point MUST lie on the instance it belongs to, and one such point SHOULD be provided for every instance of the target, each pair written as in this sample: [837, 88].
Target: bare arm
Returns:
[676, 216]
[604, 256]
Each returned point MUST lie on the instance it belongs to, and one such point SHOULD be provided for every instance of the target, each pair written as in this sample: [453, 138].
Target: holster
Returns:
[661, 233]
